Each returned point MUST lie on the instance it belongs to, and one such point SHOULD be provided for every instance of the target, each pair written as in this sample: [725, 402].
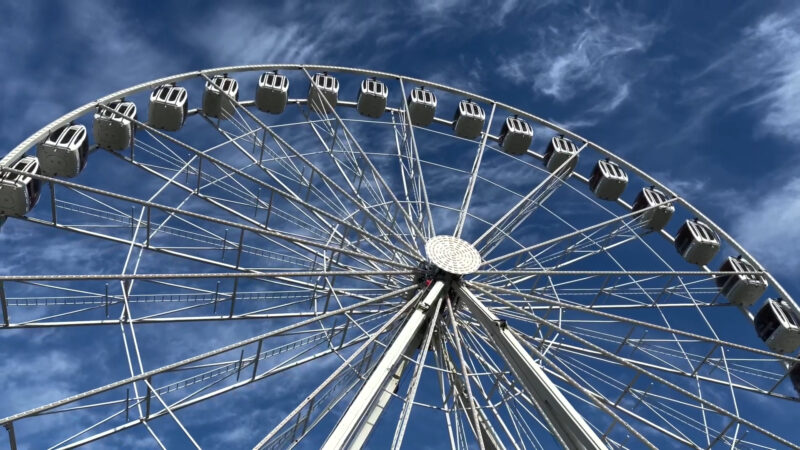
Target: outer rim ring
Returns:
[42, 133]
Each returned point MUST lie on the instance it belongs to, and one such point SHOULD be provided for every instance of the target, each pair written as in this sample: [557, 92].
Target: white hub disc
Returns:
[453, 255]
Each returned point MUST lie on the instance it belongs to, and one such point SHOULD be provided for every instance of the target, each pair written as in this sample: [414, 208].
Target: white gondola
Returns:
[421, 106]
[323, 94]
[65, 151]
[697, 242]
[468, 120]
[168, 107]
[608, 180]
[220, 97]
[559, 151]
[19, 193]
[743, 288]
[272, 92]
[655, 218]
[113, 127]
[515, 136]
[794, 376]
[778, 326]
[372, 98]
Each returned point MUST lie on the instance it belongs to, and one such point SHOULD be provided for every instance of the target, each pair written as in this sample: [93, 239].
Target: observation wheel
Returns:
[306, 256]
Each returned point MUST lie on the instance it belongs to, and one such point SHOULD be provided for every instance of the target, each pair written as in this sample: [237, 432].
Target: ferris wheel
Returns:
[309, 256]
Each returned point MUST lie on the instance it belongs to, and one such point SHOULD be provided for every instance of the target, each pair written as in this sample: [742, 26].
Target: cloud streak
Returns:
[769, 55]
[768, 224]
[588, 54]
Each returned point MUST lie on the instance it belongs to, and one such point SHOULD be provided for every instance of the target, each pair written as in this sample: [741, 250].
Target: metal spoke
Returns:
[314, 229]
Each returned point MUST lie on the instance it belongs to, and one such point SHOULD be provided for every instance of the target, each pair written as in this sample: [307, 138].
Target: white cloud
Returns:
[293, 34]
[768, 228]
[760, 73]
[770, 52]
[590, 52]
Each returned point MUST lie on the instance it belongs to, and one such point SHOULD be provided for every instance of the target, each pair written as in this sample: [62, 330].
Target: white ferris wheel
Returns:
[312, 256]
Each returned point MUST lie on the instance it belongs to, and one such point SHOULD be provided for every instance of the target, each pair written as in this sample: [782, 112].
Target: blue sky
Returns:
[702, 98]
[705, 99]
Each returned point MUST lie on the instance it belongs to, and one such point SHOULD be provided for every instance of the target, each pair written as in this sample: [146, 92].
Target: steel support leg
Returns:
[356, 423]
[12, 439]
[383, 399]
[567, 423]
[490, 439]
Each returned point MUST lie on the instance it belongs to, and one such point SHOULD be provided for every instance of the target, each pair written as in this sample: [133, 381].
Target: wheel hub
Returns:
[452, 255]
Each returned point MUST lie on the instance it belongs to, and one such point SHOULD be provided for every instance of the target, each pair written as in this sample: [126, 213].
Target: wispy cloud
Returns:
[768, 227]
[293, 33]
[759, 73]
[592, 52]
[769, 62]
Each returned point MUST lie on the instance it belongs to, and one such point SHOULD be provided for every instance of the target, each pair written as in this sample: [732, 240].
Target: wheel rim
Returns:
[308, 227]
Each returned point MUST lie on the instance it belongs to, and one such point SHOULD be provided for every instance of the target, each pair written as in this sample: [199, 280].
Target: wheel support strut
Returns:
[565, 421]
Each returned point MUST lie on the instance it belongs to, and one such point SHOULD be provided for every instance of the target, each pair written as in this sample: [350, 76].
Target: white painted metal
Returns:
[515, 136]
[560, 150]
[168, 108]
[697, 242]
[468, 119]
[365, 230]
[488, 434]
[744, 287]
[65, 152]
[653, 218]
[608, 180]
[272, 92]
[350, 424]
[778, 326]
[421, 105]
[453, 255]
[219, 97]
[372, 96]
[113, 126]
[567, 422]
[19, 191]
[323, 93]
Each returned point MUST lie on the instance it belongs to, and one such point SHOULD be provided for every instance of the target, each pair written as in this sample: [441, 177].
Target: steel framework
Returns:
[283, 265]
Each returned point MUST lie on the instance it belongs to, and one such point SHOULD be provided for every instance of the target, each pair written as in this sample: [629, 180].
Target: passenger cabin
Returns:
[778, 326]
[65, 151]
[113, 127]
[421, 107]
[655, 217]
[19, 192]
[559, 151]
[744, 287]
[794, 376]
[323, 94]
[608, 180]
[697, 242]
[468, 120]
[168, 107]
[272, 92]
[515, 136]
[372, 98]
[220, 97]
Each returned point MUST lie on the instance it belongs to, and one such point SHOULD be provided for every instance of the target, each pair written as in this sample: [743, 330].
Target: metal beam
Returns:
[488, 435]
[171, 367]
[12, 439]
[384, 396]
[4, 304]
[567, 423]
[354, 426]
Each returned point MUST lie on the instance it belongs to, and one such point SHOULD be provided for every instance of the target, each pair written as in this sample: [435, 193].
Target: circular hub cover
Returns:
[453, 255]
